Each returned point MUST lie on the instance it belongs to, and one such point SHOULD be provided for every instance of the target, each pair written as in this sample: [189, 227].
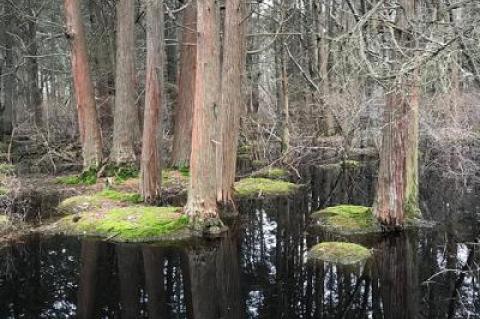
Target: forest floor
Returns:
[111, 207]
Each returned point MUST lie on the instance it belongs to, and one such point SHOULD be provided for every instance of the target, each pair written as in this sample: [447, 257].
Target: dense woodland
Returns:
[199, 84]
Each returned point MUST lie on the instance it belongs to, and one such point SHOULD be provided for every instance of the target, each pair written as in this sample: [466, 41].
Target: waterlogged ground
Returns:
[260, 270]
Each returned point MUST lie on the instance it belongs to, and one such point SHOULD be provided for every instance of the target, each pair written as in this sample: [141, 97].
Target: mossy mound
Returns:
[114, 195]
[258, 187]
[88, 177]
[339, 253]
[77, 204]
[347, 220]
[3, 191]
[272, 173]
[128, 224]
[105, 198]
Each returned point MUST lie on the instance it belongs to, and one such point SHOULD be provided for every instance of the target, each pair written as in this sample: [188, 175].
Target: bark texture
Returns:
[233, 71]
[151, 173]
[182, 138]
[202, 200]
[397, 191]
[126, 128]
[84, 92]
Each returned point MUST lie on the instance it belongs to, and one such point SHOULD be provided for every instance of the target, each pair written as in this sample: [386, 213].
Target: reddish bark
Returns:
[202, 200]
[151, 174]
[233, 71]
[85, 95]
[182, 138]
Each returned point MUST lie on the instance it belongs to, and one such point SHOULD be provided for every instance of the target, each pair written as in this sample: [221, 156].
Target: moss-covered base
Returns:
[128, 224]
[263, 187]
[339, 253]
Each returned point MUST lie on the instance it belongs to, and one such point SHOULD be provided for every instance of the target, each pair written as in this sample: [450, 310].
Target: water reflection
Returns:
[259, 270]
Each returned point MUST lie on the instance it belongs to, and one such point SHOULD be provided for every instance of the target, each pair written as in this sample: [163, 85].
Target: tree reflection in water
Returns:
[259, 270]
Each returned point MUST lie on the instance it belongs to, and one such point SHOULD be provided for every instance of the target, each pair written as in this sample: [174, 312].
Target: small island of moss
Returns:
[129, 224]
[263, 187]
[339, 253]
[347, 220]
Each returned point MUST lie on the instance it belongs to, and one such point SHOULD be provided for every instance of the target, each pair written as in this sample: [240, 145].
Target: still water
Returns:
[260, 269]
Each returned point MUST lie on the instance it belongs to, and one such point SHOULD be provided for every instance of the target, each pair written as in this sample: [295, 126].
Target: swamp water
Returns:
[260, 269]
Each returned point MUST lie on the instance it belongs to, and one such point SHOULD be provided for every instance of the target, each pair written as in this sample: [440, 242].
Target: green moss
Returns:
[139, 223]
[350, 164]
[6, 169]
[184, 170]
[122, 173]
[88, 177]
[82, 203]
[121, 196]
[348, 219]
[3, 191]
[245, 149]
[77, 204]
[272, 173]
[253, 187]
[339, 253]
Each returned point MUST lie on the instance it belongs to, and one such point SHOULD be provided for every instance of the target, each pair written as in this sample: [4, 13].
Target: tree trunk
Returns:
[85, 95]
[33, 93]
[202, 199]
[284, 111]
[126, 127]
[5, 108]
[10, 80]
[397, 191]
[182, 138]
[233, 71]
[151, 173]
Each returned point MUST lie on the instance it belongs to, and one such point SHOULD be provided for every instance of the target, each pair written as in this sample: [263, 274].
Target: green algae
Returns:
[348, 219]
[339, 253]
[137, 223]
[256, 187]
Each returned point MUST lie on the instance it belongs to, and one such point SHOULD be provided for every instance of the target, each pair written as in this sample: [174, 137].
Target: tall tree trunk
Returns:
[233, 71]
[202, 199]
[33, 93]
[397, 191]
[85, 95]
[10, 80]
[126, 127]
[103, 52]
[151, 173]
[6, 107]
[182, 138]
[285, 106]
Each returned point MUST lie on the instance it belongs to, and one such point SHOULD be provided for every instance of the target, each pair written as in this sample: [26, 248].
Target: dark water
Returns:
[260, 270]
